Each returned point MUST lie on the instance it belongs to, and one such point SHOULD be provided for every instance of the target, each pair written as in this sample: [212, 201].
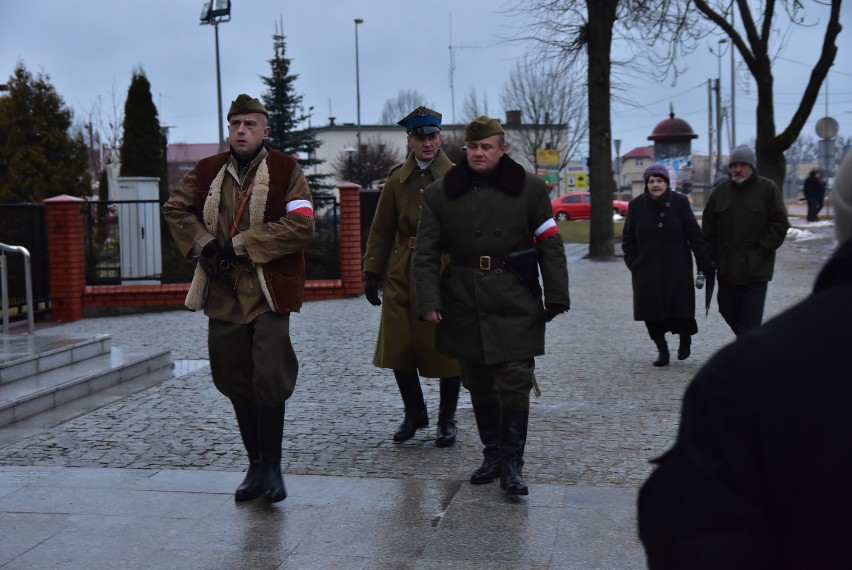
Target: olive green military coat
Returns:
[405, 342]
[488, 316]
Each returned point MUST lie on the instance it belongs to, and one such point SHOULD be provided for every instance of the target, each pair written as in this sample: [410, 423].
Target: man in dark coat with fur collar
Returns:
[495, 221]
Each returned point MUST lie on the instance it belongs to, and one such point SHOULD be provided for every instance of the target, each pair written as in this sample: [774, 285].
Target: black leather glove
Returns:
[371, 289]
[210, 257]
[553, 309]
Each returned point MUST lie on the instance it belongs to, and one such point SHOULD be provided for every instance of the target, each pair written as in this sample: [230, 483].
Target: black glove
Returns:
[228, 252]
[210, 257]
[371, 289]
[553, 309]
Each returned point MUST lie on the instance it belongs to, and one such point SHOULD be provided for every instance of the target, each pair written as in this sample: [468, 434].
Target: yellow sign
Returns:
[547, 156]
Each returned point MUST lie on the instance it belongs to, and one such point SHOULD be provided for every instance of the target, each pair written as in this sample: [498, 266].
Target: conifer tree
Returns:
[286, 114]
[39, 158]
[142, 144]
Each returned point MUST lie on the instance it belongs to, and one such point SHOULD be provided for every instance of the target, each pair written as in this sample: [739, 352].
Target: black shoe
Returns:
[446, 433]
[511, 480]
[683, 351]
[252, 485]
[489, 470]
[513, 439]
[410, 425]
[273, 483]
[663, 348]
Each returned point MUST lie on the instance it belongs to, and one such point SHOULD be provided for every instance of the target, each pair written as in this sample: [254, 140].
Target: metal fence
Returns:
[25, 225]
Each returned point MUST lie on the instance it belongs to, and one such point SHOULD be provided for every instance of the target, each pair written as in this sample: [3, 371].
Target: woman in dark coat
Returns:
[659, 232]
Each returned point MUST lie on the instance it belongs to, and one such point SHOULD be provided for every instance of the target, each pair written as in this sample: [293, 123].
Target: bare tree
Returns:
[576, 30]
[472, 107]
[369, 164]
[552, 105]
[406, 101]
[753, 40]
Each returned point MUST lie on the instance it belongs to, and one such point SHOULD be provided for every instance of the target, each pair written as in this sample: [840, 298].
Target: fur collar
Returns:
[508, 176]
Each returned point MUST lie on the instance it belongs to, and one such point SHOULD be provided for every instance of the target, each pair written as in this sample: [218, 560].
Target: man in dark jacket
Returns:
[495, 221]
[759, 475]
[744, 222]
[814, 191]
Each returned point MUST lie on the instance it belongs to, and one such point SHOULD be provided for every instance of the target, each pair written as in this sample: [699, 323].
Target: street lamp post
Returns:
[358, 83]
[719, 107]
[213, 13]
[350, 153]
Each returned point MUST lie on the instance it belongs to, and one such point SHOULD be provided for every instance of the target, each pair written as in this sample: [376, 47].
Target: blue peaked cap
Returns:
[422, 121]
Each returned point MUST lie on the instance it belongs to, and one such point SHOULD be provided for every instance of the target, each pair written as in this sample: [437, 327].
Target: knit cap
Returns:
[743, 154]
[841, 199]
[657, 169]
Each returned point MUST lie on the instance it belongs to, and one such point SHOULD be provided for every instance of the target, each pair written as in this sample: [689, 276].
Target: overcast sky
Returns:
[89, 49]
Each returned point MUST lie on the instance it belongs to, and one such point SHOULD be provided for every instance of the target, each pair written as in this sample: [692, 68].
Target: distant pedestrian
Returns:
[406, 344]
[495, 221]
[660, 237]
[814, 191]
[758, 478]
[744, 222]
[246, 216]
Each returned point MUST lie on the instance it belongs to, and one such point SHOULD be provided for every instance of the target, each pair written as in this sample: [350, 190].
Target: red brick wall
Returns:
[69, 295]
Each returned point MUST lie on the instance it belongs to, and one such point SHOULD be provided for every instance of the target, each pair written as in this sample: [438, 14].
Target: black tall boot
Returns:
[271, 422]
[663, 348]
[252, 485]
[513, 440]
[486, 409]
[416, 416]
[683, 351]
[446, 433]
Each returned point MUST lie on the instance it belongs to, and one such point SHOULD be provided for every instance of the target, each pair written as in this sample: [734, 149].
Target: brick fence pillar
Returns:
[66, 257]
[350, 239]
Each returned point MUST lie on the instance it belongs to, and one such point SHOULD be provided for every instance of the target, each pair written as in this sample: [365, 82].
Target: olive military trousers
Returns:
[511, 380]
[253, 364]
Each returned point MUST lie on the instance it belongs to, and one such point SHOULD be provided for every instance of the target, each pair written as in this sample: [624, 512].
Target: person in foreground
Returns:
[246, 215]
[744, 222]
[660, 235]
[495, 221]
[758, 477]
[406, 343]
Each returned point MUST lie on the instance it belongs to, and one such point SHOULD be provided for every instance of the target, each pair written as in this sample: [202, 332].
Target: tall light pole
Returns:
[719, 53]
[358, 83]
[213, 13]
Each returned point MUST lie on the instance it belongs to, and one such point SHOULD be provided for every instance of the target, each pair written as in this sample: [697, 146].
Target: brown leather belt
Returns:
[481, 262]
[406, 240]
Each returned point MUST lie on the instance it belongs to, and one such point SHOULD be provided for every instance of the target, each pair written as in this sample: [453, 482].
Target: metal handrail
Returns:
[4, 281]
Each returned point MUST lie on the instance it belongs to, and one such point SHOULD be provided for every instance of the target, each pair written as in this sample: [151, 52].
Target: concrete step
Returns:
[26, 356]
[46, 391]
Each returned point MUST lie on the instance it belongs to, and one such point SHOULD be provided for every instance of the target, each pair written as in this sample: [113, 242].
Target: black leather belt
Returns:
[482, 262]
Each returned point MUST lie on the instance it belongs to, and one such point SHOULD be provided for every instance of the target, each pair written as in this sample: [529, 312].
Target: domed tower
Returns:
[673, 147]
[672, 138]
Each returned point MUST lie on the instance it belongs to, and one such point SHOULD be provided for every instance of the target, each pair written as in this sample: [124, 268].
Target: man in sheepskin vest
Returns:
[246, 216]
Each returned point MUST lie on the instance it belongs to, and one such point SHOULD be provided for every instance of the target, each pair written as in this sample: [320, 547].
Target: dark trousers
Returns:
[512, 382]
[742, 305]
[253, 364]
[814, 207]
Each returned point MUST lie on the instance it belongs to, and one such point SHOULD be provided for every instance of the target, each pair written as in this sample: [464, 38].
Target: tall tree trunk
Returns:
[770, 154]
[598, 30]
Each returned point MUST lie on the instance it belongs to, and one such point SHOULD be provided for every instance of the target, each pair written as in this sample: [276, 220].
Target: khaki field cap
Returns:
[422, 121]
[246, 104]
[483, 127]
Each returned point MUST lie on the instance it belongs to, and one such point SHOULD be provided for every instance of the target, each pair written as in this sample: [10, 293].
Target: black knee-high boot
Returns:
[271, 422]
[446, 432]
[486, 409]
[663, 348]
[252, 485]
[416, 416]
[683, 351]
[513, 440]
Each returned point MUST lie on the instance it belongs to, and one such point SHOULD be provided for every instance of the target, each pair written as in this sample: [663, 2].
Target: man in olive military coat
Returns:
[406, 343]
[495, 221]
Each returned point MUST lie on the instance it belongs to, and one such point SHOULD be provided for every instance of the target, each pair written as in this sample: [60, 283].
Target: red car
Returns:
[578, 206]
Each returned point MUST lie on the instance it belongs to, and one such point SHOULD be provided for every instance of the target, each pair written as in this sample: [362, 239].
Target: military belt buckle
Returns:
[411, 241]
[485, 262]
[225, 265]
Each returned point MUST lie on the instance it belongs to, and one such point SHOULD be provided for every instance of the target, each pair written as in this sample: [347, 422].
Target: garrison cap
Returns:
[483, 127]
[246, 104]
[422, 121]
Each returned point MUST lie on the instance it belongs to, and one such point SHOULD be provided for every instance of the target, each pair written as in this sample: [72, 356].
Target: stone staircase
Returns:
[50, 379]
